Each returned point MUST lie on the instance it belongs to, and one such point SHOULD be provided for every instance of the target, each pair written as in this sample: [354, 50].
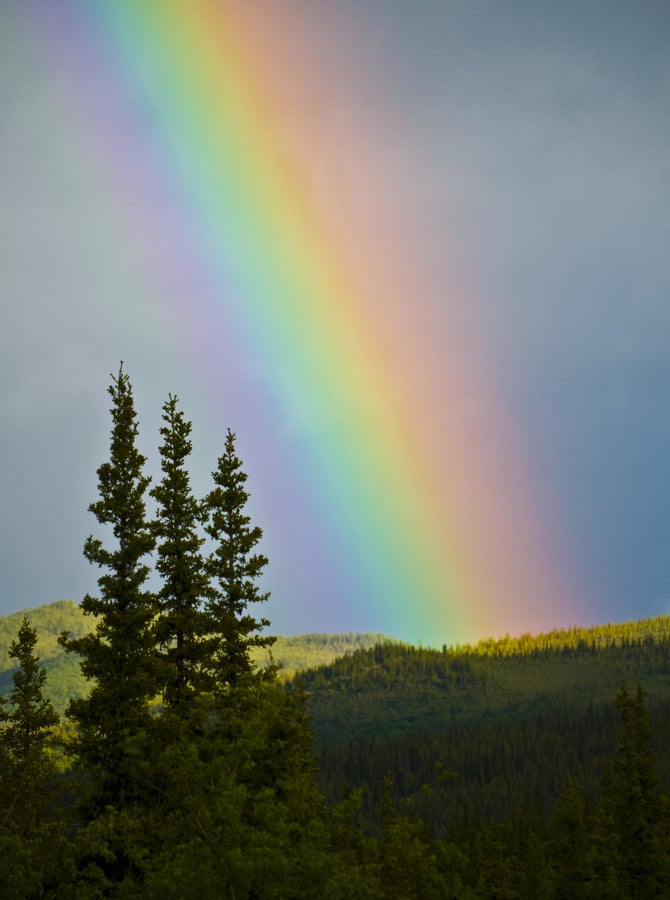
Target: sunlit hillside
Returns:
[65, 680]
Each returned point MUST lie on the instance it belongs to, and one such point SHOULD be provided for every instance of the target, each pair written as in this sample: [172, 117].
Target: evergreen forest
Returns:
[158, 741]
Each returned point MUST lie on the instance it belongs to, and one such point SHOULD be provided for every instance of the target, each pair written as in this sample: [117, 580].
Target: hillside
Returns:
[488, 726]
[63, 673]
[480, 727]
[395, 688]
[292, 654]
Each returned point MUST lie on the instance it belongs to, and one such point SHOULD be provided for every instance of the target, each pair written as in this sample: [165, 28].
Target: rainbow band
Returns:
[439, 527]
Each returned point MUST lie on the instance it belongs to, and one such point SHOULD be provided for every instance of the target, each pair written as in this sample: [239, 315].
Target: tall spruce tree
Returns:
[118, 657]
[234, 568]
[181, 626]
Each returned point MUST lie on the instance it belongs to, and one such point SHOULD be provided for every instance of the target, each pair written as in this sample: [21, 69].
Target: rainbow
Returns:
[432, 509]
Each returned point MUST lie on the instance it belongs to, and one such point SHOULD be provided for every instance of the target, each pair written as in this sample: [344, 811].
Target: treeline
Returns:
[650, 632]
[187, 771]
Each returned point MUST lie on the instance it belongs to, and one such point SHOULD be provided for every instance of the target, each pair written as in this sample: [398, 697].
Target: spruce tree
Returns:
[33, 849]
[26, 734]
[235, 569]
[636, 806]
[181, 626]
[118, 656]
[571, 854]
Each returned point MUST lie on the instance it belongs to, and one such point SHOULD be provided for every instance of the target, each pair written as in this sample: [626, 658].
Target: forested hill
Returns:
[64, 679]
[394, 688]
[486, 726]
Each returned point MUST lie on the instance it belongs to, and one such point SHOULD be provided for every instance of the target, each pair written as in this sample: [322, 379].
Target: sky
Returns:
[415, 255]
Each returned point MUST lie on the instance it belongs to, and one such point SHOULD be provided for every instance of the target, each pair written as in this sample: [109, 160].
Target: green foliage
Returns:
[634, 804]
[26, 735]
[570, 844]
[181, 623]
[239, 813]
[408, 863]
[117, 657]
[234, 568]
[33, 849]
[233, 810]
[396, 688]
[576, 640]
[506, 726]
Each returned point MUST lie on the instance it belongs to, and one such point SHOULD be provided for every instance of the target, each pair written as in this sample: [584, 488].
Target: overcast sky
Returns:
[522, 147]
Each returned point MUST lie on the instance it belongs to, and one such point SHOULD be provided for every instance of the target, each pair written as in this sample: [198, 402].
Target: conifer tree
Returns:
[570, 850]
[407, 864]
[26, 733]
[181, 627]
[33, 849]
[635, 803]
[118, 656]
[234, 568]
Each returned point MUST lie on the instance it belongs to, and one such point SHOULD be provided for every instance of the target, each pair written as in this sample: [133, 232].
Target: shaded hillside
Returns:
[485, 727]
[395, 688]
